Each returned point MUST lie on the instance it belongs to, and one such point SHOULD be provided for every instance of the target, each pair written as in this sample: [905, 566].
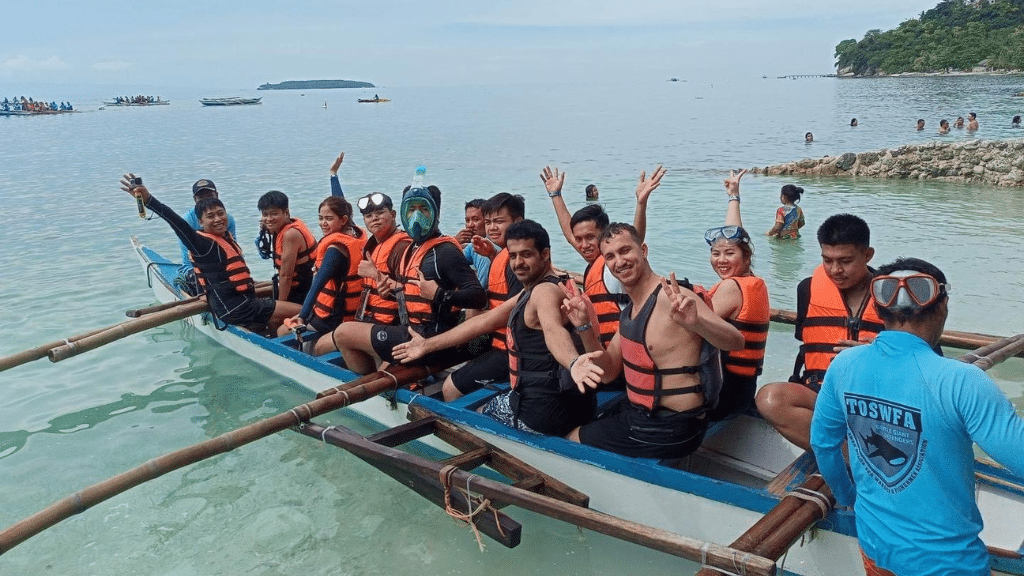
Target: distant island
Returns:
[315, 84]
[955, 36]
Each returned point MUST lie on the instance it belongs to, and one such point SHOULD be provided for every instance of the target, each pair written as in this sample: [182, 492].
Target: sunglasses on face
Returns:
[922, 289]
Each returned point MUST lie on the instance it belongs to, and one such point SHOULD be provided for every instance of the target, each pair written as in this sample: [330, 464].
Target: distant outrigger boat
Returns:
[125, 103]
[33, 112]
[374, 100]
[233, 101]
[743, 470]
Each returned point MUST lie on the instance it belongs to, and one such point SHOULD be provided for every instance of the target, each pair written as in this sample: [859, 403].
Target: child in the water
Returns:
[789, 218]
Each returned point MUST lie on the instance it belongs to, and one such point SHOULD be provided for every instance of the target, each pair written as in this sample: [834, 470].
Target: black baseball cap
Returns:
[203, 184]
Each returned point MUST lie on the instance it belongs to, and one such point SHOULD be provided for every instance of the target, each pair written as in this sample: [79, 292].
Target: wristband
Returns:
[584, 327]
[573, 362]
[736, 198]
[554, 195]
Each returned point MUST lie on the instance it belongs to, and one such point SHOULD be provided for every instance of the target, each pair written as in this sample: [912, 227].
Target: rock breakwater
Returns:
[997, 163]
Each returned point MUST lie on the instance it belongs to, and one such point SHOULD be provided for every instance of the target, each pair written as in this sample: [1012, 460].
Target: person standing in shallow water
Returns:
[972, 122]
[944, 126]
[853, 123]
[789, 218]
[959, 122]
[808, 138]
[920, 124]
[592, 193]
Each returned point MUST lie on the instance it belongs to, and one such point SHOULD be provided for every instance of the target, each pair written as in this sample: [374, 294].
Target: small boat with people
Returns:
[230, 101]
[744, 475]
[365, 100]
[139, 100]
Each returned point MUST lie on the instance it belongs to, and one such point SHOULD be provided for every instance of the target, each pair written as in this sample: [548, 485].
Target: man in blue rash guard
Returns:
[200, 190]
[911, 417]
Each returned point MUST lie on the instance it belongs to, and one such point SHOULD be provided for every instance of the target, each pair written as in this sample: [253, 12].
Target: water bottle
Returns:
[417, 179]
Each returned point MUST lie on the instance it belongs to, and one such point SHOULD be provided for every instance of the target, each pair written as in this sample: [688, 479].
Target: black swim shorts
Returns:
[633, 431]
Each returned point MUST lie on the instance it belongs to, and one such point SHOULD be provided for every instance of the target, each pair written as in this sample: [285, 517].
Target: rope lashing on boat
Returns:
[739, 563]
[393, 378]
[323, 435]
[445, 476]
[309, 413]
[814, 496]
[71, 344]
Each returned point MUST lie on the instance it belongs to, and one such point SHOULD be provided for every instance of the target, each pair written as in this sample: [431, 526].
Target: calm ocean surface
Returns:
[289, 505]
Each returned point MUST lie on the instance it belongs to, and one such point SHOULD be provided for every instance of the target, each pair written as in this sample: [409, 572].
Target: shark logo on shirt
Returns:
[879, 446]
[886, 436]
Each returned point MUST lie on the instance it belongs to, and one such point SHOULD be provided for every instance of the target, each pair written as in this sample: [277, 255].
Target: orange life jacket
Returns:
[500, 280]
[339, 298]
[828, 321]
[231, 273]
[752, 321]
[644, 378]
[605, 304]
[419, 309]
[384, 256]
[303, 260]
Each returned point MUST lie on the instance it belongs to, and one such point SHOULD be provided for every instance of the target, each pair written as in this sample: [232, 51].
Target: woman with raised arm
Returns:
[741, 299]
[334, 294]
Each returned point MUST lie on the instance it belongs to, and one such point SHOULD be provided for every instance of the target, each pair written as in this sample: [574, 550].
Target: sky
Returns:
[236, 44]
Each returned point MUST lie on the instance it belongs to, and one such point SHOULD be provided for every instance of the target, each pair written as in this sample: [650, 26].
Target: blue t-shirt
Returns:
[482, 264]
[911, 418]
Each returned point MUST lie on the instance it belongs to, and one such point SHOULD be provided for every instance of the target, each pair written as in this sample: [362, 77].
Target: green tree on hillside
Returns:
[955, 35]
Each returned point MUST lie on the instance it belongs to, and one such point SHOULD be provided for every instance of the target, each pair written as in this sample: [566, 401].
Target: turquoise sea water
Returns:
[288, 505]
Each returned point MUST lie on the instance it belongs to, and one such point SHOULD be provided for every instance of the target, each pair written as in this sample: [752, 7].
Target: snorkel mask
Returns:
[419, 214]
[907, 290]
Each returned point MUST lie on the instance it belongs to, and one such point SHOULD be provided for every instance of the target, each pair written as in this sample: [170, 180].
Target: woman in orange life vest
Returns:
[741, 299]
[220, 267]
[336, 288]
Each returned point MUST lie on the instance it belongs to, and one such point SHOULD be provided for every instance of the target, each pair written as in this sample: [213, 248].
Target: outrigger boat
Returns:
[232, 101]
[742, 471]
[131, 103]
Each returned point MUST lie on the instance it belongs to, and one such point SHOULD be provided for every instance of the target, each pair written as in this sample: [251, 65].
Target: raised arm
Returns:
[182, 229]
[553, 181]
[335, 183]
[690, 312]
[644, 187]
[732, 188]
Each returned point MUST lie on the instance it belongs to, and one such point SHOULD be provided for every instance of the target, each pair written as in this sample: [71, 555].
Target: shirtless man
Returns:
[834, 311]
[972, 122]
[660, 346]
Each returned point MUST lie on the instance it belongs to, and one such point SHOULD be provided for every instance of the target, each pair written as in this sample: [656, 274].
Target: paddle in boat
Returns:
[742, 471]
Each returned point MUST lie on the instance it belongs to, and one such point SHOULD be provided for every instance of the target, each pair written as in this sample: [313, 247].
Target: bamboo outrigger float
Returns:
[744, 476]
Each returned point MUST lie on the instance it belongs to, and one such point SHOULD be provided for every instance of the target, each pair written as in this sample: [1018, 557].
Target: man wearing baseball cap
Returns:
[201, 190]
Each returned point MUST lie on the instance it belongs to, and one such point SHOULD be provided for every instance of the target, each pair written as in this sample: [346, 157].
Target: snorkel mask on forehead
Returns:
[419, 214]
[907, 290]
[733, 234]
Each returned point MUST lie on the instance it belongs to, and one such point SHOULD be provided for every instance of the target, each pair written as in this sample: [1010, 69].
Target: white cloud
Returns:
[24, 63]
[111, 66]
